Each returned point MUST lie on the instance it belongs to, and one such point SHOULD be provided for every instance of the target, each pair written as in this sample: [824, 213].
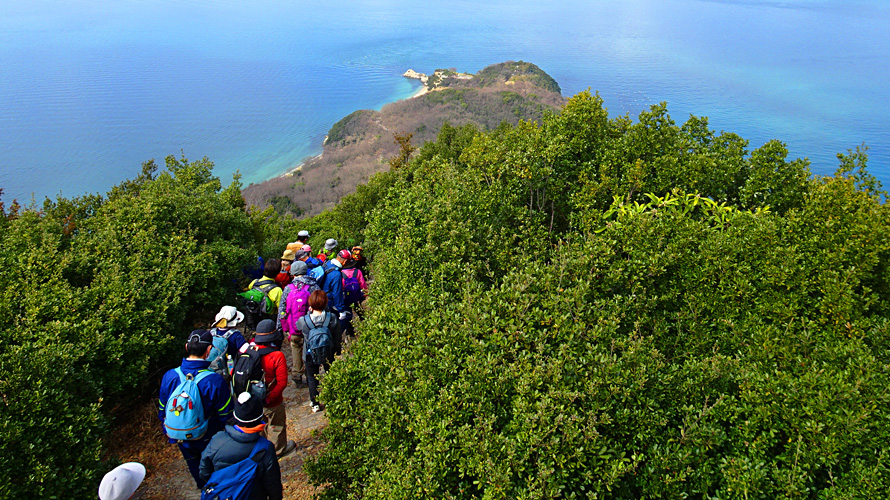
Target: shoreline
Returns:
[290, 172]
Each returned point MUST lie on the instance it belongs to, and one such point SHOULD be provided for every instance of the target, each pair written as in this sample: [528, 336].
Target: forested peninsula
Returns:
[566, 307]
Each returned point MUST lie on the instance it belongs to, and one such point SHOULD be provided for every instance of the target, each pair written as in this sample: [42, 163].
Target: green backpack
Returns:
[257, 304]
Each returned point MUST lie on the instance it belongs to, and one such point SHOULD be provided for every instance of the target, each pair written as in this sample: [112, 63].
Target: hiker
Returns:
[238, 445]
[355, 288]
[227, 319]
[330, 245]
[283, 277]
[180, 387]
[318, 322]
[260, 309]
[295, 305]
[331, 281]
[358, 258]
[305, 256]
[275, 368]
[302, 238]
[122, 481]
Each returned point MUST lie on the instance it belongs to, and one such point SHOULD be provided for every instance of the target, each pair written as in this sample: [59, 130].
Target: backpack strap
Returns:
[202, 374]
[327, 319]
[259, 449]
[181, 375]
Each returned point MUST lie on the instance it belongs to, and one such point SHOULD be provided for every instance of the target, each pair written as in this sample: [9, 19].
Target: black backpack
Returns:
[248, 374]
[318, 341]
[256, 303]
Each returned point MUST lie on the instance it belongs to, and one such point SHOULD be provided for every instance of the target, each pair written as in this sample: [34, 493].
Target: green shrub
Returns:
[553, 317]
[98, 293]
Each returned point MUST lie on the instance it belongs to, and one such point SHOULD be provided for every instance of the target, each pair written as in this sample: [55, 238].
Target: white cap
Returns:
[232, 315]
[303, 233]
[122, 482]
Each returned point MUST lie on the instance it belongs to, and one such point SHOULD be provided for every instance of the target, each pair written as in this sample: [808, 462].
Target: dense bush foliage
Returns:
[97, 294]
[596, 308]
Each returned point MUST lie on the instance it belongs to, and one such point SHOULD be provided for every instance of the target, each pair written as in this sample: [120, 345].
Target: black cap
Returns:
[200, 337]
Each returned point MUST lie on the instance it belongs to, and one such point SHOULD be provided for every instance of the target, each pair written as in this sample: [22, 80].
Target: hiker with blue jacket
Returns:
[318, 322]
[242, 438]
[175, 403]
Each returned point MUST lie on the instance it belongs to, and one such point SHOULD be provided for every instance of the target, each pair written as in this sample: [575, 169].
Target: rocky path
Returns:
[167, 478]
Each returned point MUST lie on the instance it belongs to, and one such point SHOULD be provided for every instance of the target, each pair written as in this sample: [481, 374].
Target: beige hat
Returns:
[122, 482]
[288, 255]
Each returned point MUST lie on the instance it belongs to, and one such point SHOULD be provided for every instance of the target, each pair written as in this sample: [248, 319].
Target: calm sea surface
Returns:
[91, 89]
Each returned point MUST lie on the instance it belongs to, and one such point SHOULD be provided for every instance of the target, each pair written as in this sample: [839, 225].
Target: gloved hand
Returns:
[342, 316]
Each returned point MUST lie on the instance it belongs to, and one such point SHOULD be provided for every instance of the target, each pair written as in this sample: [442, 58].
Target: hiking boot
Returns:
[298, 379]
[316, 407]
[288, 449]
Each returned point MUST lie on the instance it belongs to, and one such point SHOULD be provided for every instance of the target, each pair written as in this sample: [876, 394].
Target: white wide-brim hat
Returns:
[122, 482]
[232, 316]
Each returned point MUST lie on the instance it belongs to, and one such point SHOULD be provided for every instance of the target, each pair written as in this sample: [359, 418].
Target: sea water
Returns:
[89, 89]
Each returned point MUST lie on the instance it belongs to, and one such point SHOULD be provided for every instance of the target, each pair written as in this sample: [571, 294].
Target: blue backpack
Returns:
[318, 340]
[235, 482]
[184, 417]
[218, 361]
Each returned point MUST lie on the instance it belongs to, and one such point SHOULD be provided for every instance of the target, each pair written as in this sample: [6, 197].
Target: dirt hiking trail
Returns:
[167, 477]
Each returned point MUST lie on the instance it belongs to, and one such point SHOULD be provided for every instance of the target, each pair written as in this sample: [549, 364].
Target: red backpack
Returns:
[296, 307]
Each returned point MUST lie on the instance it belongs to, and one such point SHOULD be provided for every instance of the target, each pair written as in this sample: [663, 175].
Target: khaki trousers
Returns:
[276, 427]
[296, 350]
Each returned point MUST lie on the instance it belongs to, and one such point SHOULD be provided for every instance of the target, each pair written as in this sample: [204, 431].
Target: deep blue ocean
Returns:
[89, 89]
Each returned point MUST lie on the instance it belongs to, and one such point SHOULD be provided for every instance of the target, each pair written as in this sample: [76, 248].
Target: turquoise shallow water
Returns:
[91, 89]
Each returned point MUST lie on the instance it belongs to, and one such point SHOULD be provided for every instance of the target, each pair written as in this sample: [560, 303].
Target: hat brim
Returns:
[266, 337]
[136, 468]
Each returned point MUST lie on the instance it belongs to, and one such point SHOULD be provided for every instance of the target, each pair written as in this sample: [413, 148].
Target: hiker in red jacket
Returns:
[275, 369]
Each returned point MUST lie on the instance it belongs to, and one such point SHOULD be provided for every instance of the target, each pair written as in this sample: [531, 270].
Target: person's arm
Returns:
[279, 367]
[282, 306]
[168, 383]
[205, 469]
[236, 340]
[272, 475]
[335, 295]
[220, 404]
[275, 295]
[361, 280]
[336, 329]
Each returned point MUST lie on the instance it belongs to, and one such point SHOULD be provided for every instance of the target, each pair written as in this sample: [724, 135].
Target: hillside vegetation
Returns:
[359, 145]
[581, 307]
[596, 308]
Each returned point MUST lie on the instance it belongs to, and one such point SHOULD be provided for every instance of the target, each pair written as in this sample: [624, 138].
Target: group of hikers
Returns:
[224, 406]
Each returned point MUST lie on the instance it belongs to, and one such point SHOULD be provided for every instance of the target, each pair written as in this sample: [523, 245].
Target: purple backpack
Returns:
[296, 307]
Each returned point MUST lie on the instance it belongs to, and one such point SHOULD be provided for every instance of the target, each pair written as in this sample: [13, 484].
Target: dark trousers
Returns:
[191, 452]
[312, 377]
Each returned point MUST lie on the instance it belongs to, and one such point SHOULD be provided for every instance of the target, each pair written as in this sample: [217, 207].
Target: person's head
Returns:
[298, 268]
[301, 255]
[303, 236]
[287, 259]
[307, 248]
[266, 332]
[318, 300]
[122, 481]
[199, 343]
[272, 268]
[356, 252]
[330, 245]
[232, 316]
[248, 410]
[344, 256]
